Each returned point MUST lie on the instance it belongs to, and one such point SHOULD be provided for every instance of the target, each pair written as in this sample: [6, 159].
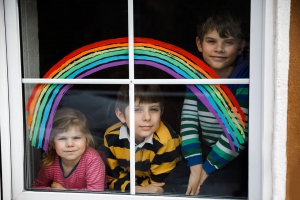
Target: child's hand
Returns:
[152, 188]
[56, 185]
[194, 180]
[203, 177]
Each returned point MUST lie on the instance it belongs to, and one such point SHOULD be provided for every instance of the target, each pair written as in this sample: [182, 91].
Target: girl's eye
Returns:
[61, 138]
[154, 109]
[76, 138]
[210, 41]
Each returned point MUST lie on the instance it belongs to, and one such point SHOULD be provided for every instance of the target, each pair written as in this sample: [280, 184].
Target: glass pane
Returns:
[45, 105]
[165, 37]
[81, 35]
[175, 39]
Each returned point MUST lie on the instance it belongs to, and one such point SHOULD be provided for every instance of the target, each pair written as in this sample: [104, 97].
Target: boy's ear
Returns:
[198, 43]
[120, 115]
[241, 48]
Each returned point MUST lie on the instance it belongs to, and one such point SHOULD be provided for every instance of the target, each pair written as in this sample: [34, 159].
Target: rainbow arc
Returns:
[95, 57]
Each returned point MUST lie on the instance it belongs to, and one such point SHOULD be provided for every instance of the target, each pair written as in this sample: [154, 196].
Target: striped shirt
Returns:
[153, 161]
[194, 113]
[88, 174]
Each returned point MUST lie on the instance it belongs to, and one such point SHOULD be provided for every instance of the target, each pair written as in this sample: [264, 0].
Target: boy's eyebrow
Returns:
[152, 104]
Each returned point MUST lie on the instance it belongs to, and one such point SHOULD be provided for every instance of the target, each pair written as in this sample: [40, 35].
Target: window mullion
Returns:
[131, 95]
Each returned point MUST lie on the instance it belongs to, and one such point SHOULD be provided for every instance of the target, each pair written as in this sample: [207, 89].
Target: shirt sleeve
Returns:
[221, 153]
[164, 161]
[95, 173]
[42, 180]
[118, 178]
[191, 146]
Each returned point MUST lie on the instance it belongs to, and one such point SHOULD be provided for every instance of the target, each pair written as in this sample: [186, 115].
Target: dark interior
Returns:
[65, 27]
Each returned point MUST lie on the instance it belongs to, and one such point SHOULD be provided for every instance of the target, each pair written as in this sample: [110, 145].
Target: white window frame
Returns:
[260, 106]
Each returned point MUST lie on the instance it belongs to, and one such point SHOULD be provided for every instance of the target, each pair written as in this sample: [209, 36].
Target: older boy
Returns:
[221, 42]
[157, 146]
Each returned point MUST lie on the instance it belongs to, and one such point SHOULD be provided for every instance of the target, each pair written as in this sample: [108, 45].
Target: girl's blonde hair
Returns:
[64, 119]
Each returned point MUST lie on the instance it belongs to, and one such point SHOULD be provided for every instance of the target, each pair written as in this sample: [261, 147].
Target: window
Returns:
[19, 180]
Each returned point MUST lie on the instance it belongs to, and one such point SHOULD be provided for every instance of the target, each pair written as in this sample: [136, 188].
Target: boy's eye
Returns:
[210, 41]
[154, 109]
[228, 42]
[137, 109]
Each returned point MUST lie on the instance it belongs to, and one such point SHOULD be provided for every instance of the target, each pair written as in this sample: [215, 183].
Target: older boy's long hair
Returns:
[225, 23]
[143, 93]
[64, 119]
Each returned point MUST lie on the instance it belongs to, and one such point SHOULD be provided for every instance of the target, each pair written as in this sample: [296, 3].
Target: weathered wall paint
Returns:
[293, 125]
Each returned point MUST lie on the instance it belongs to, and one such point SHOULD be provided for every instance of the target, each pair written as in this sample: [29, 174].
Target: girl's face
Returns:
[70, 145]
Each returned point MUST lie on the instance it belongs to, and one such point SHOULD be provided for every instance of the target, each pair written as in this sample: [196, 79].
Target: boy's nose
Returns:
[219, 47]
[146, 116]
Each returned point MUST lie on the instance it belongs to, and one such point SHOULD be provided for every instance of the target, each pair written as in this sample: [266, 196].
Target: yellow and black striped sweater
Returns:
[153, 161]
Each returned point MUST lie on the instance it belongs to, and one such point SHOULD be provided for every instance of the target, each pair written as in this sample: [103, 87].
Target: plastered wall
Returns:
[293, 118]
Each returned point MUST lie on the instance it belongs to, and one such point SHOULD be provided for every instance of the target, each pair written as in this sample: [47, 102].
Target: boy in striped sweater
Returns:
[157, 146]
[221, 42]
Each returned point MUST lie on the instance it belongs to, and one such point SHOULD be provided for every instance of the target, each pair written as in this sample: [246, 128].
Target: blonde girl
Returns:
[71, 162]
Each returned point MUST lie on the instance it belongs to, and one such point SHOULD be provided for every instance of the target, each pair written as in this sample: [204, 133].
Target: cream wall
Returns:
[281, 69]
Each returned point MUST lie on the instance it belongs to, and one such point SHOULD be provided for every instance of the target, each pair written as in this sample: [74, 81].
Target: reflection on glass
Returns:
[96, 102]
[157, 145]
[217, 33]
[210, 124]
[52, 31]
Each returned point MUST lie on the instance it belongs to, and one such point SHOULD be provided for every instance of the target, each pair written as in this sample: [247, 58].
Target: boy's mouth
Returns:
[217, 58]
[146, 127]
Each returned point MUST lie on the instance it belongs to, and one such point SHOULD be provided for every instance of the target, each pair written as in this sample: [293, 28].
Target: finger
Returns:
[159, 184]
[188, 190]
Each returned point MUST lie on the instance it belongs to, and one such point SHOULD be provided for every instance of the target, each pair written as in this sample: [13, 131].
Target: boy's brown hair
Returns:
[225, 23]
[143, 93]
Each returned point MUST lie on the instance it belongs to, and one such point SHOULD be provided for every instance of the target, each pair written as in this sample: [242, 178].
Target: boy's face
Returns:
[147, 119]
[220, 53]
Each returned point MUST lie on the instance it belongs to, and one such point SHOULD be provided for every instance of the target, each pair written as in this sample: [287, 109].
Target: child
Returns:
[221, 42]
[71, 162]
[157, 146]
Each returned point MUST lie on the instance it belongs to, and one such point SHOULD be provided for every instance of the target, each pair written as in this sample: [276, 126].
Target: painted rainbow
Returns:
[175, 61]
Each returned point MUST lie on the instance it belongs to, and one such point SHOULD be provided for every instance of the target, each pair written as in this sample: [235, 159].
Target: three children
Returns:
[71, 163]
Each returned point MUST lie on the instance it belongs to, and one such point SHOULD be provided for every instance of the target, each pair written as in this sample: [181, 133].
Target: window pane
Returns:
[60, 31]
[62, 38]
[165, 34]
[96, 102]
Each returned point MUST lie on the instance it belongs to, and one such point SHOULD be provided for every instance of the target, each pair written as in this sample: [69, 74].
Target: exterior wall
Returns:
[293, 126]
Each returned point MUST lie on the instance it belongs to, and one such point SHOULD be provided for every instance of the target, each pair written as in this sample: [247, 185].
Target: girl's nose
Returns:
[70, 143]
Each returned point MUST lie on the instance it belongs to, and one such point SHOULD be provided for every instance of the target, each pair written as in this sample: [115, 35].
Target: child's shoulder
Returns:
[91, 151]
[90, 154]
[114, 129]
[241, 69]
[165, 133]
